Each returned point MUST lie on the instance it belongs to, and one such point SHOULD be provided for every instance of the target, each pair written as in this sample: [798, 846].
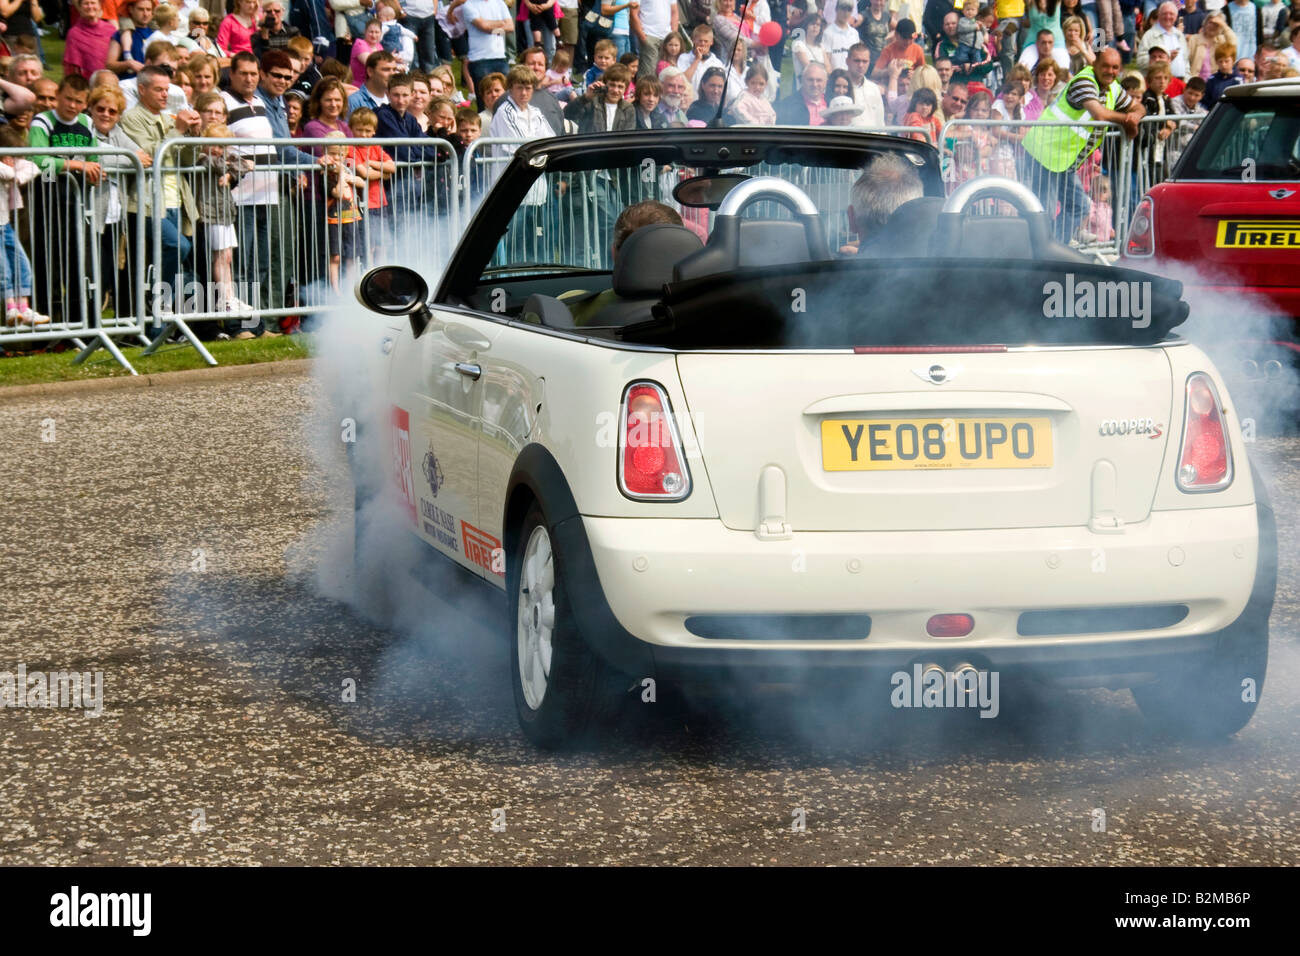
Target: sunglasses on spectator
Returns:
[957, 102]
[106, 109]
[287, 77]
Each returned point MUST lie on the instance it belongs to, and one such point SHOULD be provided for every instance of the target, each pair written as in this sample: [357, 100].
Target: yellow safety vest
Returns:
[1058, 147]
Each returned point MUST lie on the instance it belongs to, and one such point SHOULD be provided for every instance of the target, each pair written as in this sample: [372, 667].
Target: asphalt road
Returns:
[184, 542]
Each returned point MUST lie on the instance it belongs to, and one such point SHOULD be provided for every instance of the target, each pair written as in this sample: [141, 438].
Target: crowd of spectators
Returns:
[134, 73]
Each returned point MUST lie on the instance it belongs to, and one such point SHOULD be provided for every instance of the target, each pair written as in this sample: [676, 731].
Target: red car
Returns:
[1230, 212]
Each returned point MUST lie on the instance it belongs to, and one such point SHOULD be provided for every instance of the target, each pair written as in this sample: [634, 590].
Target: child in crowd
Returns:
[545, 26]
[698, 60]
[920, 113]
[220, 169]
[752, 106]
[971, 58]
[362, 48]
[670, 51]
[442, 119]
[1099, 226]
[15, 266]
[166, 24]
[1133, 85]
[396, 39]
[1010, 106]
[633, 63]
[604, 56]
[127, 48]
[375, 165]
[648, 116]
[341, 210]
[468, 126]
[1225, 57]
[557, 81]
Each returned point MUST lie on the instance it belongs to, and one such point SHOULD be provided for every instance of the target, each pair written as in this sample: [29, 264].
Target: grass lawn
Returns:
[58, 367]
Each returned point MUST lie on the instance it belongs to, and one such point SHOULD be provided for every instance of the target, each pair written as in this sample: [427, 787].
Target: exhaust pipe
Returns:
[1250, 369]
[966, 679]
[1273, 370]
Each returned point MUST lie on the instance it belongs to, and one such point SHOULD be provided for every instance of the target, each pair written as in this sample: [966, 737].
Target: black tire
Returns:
[1205, 698]
[580, 688]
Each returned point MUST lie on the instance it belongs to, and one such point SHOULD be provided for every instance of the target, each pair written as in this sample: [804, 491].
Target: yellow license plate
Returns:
[1258, 234]
[904, 444]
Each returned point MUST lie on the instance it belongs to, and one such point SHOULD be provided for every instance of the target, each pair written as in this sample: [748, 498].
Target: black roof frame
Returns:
[721, 148]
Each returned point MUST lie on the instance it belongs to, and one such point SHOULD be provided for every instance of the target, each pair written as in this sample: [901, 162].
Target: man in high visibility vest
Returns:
[1053, 153]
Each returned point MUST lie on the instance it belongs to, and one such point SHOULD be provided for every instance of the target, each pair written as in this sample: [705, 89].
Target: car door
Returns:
[436, 423]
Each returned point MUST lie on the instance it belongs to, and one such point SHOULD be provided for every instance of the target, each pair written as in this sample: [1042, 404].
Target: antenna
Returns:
[731, 59]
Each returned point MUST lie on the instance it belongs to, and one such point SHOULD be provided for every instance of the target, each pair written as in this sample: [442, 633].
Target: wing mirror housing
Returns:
[396, 290]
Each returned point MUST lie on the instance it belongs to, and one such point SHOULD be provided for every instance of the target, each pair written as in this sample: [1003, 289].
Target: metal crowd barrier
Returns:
[1153, 157]
[290, 258]
[71, 247]
[105, 267]
[971, 148]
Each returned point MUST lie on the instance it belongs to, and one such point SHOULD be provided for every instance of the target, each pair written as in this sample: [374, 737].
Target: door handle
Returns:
[469, 370]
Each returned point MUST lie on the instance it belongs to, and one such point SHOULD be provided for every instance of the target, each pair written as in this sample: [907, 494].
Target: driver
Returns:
[887, 182]
[582, 304]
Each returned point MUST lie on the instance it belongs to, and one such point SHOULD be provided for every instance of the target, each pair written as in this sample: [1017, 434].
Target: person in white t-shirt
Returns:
[840, 35]
[486, 24]
[651, 21]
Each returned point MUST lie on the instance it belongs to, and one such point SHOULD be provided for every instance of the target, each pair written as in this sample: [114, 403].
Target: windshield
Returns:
[567, 219]
[1248, 140]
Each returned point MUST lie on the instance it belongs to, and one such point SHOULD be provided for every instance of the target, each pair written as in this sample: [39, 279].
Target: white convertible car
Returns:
[738, 449]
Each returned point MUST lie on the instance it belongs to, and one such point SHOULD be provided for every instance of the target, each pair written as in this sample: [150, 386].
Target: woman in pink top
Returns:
[235, 35]
[372, 41]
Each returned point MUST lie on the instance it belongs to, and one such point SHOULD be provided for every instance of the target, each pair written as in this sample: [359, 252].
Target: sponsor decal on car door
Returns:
[436, 441]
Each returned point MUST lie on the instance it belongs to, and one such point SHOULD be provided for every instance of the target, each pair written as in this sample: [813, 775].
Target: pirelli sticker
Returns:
[1258, 234]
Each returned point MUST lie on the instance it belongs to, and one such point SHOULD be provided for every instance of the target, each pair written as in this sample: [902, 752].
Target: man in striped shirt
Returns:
[1054, 152]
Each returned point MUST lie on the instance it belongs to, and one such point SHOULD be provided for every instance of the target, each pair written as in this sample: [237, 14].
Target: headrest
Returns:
[996, 237]
[646, 258]
[772, 242]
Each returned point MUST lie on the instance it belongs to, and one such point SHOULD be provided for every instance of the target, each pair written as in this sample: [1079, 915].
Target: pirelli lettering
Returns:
[1258, 234]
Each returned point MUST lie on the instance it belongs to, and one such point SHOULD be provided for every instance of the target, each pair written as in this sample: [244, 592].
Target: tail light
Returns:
[1142, 231]
[652, 466]
[1205, 461]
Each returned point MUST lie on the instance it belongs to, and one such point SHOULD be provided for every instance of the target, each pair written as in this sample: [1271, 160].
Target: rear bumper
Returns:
[639, 580]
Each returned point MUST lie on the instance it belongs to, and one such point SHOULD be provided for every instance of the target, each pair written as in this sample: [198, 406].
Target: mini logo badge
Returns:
[1281, 193]
[936, 374]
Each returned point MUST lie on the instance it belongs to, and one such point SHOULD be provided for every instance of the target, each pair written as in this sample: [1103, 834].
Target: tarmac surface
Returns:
[187, 542]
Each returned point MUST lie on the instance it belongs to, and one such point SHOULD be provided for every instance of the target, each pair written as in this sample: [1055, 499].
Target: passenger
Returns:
[631, 219]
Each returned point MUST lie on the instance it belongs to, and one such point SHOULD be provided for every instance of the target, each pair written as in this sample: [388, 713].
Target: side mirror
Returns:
[396, 290]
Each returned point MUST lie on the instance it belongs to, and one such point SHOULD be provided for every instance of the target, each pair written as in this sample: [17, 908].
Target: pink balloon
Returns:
[769, 34]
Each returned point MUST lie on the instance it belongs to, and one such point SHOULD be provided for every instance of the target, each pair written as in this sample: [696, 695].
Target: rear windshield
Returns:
[1247, 140]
